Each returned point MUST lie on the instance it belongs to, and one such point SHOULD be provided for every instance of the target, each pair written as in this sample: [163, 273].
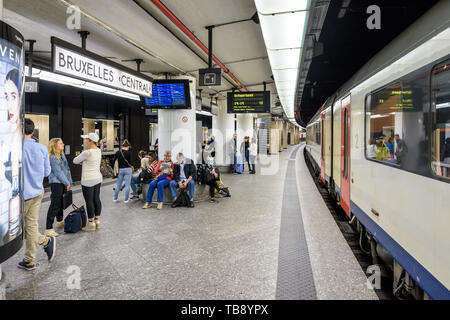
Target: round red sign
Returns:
[185, 119]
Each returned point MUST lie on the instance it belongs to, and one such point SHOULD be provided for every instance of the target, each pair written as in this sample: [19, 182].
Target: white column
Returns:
[244, 128]
[177, 128]
[1, 18]
[223, 130]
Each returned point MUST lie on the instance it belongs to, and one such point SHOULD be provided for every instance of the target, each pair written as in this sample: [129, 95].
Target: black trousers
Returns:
[56, 204]
[92, 198]
[212, 188]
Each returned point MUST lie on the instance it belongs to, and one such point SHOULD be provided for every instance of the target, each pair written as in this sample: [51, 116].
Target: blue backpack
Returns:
[75, 220]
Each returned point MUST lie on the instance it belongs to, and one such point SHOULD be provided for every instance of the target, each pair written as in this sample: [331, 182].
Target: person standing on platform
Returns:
[36, 166]
[232, 152]
[123, 157]
[253, 150]
[245, 145]
[60, 181]
[91, 180]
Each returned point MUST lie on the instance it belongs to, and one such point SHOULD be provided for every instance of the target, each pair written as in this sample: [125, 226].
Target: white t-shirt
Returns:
[90, 173]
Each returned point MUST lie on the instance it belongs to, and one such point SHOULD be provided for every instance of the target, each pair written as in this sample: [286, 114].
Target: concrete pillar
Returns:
[177, 128]
[223, 130]
[285, 135]
[108, 132]
[244, 128]
[1, 9]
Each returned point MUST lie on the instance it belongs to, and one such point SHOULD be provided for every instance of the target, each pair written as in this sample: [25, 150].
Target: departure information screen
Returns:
[169, 96]
[249, 102]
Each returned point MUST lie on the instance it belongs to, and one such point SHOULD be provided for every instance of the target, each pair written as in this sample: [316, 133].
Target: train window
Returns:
[440, 149]
[384, 125]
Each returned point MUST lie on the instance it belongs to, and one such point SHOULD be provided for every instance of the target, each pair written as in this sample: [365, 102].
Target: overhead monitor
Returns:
[249, 102]
[210, 77]
[170, 94]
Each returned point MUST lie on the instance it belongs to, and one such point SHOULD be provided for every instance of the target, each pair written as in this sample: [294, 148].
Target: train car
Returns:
[381, 144]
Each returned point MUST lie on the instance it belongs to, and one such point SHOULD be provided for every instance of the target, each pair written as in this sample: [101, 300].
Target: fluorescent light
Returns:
[285, 75]
[96, 87]
[283, 31]
[284, 59]
[271, 6]
[443, 105]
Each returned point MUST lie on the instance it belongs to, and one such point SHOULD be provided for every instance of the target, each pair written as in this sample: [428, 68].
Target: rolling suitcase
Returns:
[239, 166]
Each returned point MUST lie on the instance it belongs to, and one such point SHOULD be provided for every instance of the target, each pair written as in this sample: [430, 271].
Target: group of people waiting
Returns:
[247, 152]
[162, 174]
[390, 149]
[40, 162]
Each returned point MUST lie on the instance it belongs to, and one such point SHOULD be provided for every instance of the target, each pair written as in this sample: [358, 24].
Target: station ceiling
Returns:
[347, 44]
[128, 29]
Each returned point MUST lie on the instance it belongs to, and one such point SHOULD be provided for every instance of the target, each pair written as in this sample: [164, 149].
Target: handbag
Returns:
[208, 177]
[67, 199]
[75, 220]
[132, 168]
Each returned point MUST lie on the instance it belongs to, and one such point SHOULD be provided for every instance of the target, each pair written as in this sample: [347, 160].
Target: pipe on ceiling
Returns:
[191, 36]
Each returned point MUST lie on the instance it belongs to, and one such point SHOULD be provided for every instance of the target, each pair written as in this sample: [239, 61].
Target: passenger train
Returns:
[381, 144]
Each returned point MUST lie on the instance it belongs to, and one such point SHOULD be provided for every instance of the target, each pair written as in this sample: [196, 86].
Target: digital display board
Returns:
[170, 94]
[12, 65]
[249, 102]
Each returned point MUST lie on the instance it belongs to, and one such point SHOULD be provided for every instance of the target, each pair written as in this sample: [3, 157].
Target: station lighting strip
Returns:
[283, 25]
[60, 79]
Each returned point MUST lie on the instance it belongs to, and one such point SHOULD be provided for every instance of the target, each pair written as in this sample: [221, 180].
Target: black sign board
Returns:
[249, 102]
[210, 77]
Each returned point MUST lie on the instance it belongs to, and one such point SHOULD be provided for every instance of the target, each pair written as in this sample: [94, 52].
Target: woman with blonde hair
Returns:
[60, 181]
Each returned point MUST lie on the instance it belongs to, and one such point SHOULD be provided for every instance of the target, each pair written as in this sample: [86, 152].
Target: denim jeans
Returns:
[160, 185]
[124, 174]
[190, 186]
[135, 183]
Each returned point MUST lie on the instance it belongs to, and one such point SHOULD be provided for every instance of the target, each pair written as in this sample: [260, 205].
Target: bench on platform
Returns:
[201, 193]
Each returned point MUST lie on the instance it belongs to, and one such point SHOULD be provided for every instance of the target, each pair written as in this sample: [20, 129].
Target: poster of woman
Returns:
[11, 139]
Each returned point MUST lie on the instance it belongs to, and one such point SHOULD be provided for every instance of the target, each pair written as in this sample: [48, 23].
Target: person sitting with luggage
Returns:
[135, 180]
[212, 178]
[163, 175]
[183, 178]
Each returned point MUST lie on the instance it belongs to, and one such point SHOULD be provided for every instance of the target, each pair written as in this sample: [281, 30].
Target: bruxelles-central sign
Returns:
[72, 61]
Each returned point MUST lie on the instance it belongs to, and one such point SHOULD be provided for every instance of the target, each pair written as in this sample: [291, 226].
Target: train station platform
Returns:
[273, 239]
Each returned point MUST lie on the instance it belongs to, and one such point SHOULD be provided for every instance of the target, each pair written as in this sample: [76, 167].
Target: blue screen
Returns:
[167, 94]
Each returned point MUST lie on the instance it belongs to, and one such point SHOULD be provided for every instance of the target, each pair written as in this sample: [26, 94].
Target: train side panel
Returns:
[337, 145]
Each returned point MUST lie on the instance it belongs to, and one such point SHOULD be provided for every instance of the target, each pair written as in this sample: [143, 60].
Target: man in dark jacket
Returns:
[183, 177]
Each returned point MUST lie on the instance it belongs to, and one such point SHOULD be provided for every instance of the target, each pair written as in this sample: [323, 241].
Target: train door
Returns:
[345, 155]
[322, 145]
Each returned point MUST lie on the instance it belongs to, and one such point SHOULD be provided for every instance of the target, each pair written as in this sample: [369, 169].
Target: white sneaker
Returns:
[114, 200]
[127, 201]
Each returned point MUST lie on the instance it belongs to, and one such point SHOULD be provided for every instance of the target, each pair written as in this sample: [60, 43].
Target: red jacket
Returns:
[156, 172]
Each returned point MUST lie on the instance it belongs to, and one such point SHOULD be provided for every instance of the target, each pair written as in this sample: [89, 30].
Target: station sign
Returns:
[75, 62]
[210, 77]
[249, 102]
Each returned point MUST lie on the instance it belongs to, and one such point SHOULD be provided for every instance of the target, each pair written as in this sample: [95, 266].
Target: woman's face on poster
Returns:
[12, 100]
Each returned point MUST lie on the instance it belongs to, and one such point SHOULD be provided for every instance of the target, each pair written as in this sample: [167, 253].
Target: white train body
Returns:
[404, 208]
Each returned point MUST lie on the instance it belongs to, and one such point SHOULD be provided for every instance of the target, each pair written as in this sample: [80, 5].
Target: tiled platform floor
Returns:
[225, 250]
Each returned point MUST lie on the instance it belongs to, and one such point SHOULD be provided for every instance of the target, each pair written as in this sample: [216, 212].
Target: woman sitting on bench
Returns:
[163, 176]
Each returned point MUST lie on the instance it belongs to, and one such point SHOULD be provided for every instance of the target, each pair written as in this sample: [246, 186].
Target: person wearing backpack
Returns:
[183, 178]
[136, 179]
[36, 166]
[123, 157]
[60, 181]
[91, 180]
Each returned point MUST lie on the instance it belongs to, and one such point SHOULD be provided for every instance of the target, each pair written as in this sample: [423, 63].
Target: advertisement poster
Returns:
[11, 139]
